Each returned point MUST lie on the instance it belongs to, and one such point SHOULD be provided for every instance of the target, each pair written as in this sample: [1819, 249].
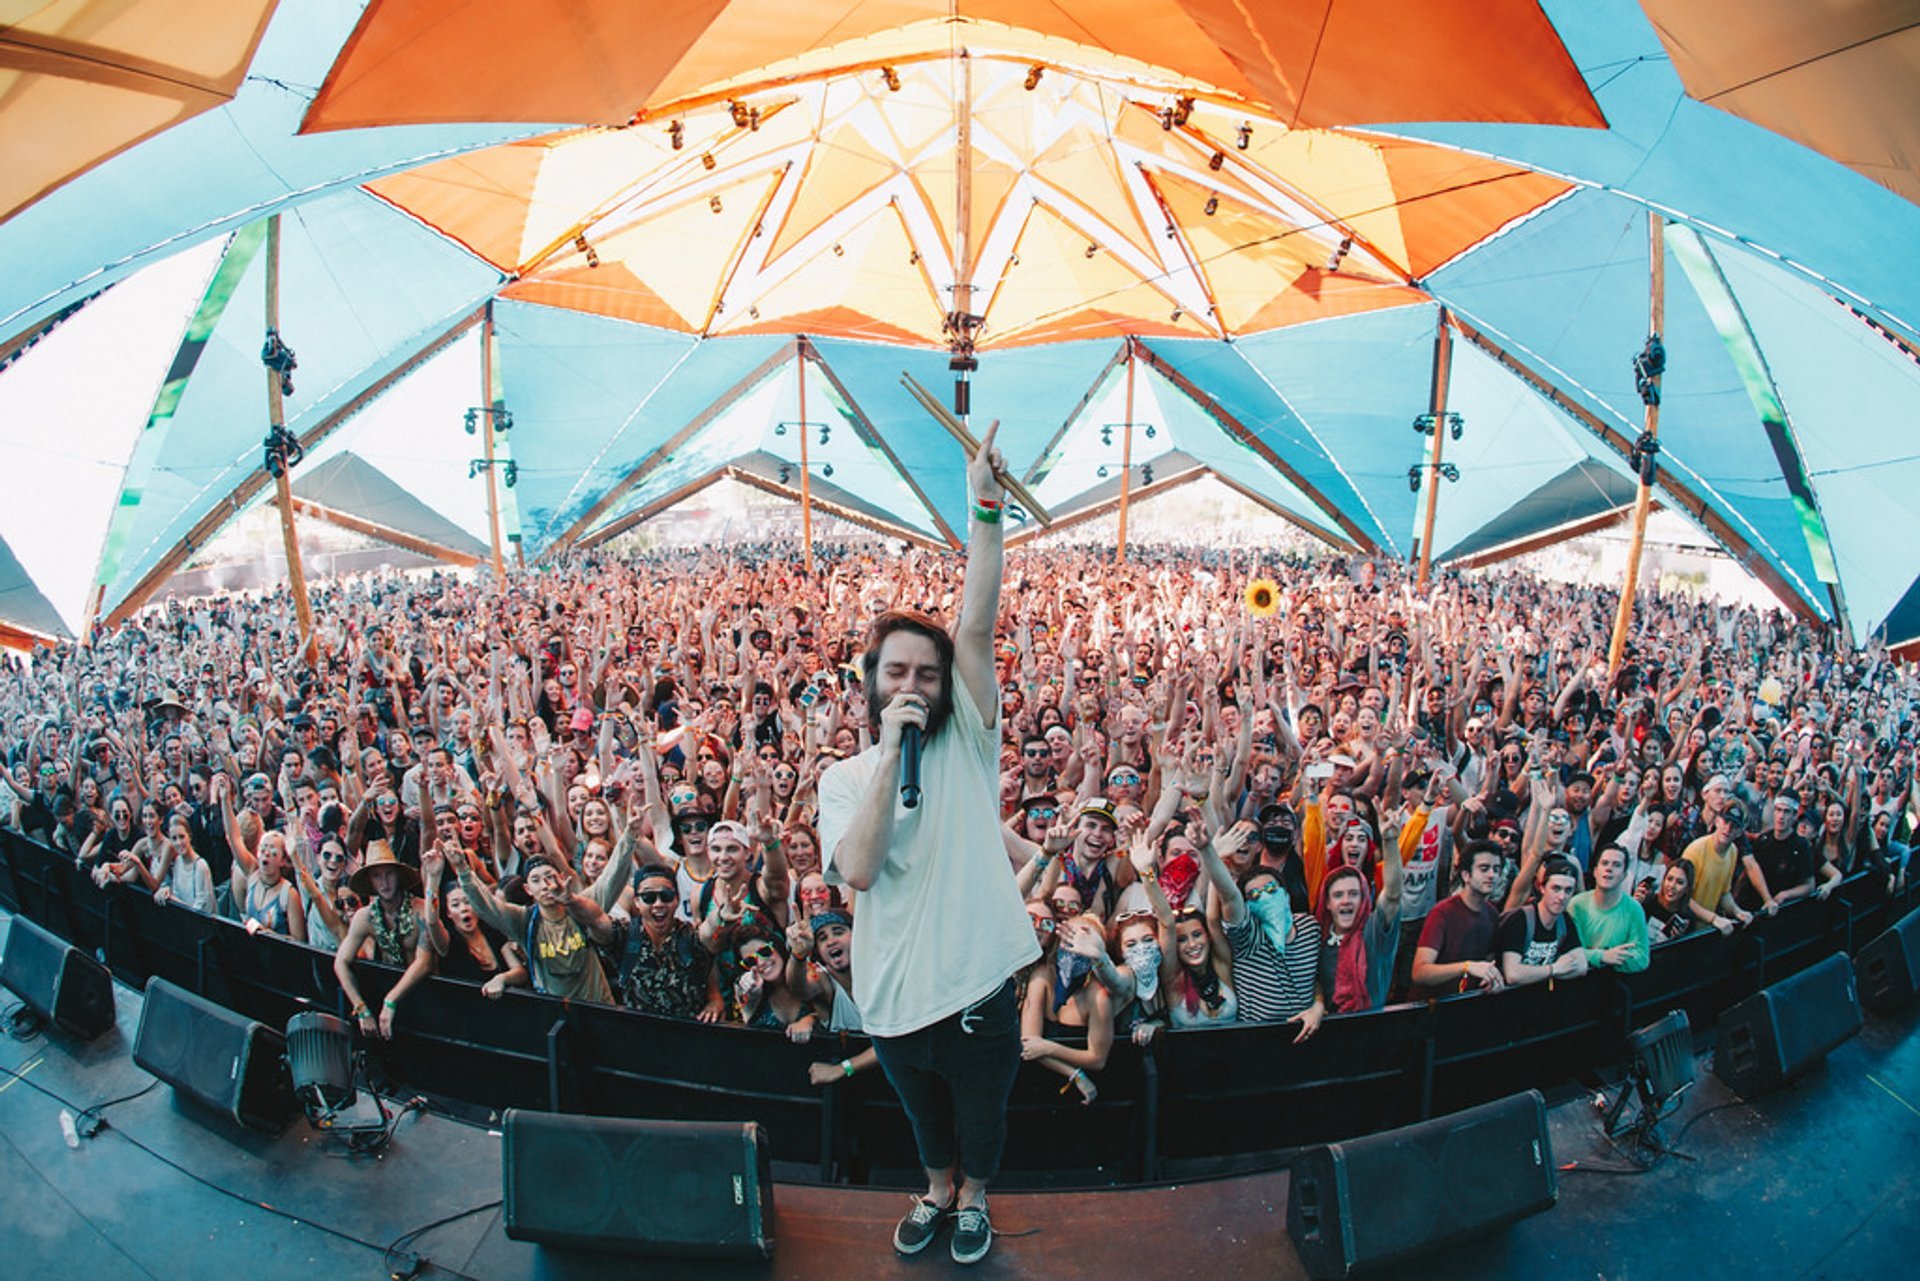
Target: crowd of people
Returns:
[1231, 789]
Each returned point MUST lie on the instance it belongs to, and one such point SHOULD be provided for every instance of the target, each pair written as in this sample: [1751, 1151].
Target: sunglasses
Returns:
[1038, 812]
[658, 896]
[1045, 924]
[1271, 887]
[695, 825]
[1123, 780]
[755, 955]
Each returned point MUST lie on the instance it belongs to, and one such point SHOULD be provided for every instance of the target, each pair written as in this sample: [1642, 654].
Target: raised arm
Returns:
[980, 599]
[1233, 907]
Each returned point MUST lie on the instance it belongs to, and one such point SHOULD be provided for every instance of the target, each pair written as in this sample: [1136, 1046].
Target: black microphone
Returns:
[910, 766]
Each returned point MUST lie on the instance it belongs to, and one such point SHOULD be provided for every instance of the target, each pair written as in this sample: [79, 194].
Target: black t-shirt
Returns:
[461, 963]
[1786, 862]
[1521, 931]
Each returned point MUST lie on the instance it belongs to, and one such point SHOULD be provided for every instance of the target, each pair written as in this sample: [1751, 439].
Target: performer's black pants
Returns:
[953, 1078]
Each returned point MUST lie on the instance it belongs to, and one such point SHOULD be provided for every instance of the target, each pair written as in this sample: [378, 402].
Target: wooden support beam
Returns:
[1437, 413]
[1033, 475]
[487, 427]
[1126, 460]
[1107, 507]
[640, 515]
[1643, 496]
[1293, 518]
[252, 482]
[1239, 431]
[755, 480]
[1546, 538]
[1679, 496]
[867, 431]
[385, 533]
[618, 490]
[276, 417]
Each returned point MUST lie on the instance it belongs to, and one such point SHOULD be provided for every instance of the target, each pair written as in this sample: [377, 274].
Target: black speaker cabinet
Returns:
[222, 1060]
[1781, 1031]
[1378, 1200]
[668, 1188]
[1889, 967]
[58, 981]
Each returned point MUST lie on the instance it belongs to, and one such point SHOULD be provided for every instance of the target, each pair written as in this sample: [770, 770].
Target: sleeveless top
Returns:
[1200, 1015]
[318, 934]
[271, 913]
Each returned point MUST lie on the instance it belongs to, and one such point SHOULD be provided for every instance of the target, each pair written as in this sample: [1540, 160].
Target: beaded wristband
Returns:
[986, 515]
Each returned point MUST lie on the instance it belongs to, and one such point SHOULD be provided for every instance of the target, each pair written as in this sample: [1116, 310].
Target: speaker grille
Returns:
[657, 1187]
[57, 981]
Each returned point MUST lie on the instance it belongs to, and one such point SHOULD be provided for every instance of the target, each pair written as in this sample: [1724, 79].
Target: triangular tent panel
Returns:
[348, 483]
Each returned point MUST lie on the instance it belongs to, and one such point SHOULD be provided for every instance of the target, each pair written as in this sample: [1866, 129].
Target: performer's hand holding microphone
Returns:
[906, 716]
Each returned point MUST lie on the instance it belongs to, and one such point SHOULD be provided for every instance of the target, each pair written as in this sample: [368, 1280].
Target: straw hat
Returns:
[380, 854]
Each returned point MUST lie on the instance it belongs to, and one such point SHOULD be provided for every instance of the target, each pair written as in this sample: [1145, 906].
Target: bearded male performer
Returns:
[939, 929]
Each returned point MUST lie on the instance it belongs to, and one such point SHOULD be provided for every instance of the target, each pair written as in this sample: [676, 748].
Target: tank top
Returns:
[1200, 1015]
[269, 913]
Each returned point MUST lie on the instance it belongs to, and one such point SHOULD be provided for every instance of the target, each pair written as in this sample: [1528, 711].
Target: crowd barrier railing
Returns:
[1206, 1100]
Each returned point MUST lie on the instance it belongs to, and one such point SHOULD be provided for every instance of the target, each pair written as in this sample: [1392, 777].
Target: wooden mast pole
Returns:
[1643, 498]
[277, 416]
[1126, 461]
[1437, 411]
[806, 470]
[486, 430]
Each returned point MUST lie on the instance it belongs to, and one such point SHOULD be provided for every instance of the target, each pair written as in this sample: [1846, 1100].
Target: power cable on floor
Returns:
[414, 1264]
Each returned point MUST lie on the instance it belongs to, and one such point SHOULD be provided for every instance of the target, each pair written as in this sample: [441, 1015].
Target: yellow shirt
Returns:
[1712, 871]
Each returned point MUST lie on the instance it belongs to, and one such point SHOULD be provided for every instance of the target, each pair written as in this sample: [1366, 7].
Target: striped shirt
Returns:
[1274, 984]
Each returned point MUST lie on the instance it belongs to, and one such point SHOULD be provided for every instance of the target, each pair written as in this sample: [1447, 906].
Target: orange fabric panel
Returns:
[83, 81]
[479, 199]
[205, 42]
[603, 61]
[1262, 274]
[1451, 201]
[868, 285]
[1051, 290]
[606, 290]
[1320, 63]
[841, 169]
[565, 61]
[1833, 75]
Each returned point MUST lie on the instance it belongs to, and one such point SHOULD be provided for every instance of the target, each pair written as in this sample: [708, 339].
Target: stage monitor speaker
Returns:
[58, 981]
[1378, 1200]
[667, 1188]
[1889, 967]
[1781, 1031]
[215, 1057]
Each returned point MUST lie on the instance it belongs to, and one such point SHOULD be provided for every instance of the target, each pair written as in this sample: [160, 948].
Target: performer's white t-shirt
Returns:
[943, 925]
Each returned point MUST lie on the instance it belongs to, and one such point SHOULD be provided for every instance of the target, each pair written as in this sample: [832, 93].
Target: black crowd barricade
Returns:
[1205, 1100]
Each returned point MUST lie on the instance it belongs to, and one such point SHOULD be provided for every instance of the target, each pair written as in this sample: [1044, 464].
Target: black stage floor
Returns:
[1817, 1180]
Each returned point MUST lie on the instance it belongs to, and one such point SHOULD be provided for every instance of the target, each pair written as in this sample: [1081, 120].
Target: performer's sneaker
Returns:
[917, 1231]
[972, 1234]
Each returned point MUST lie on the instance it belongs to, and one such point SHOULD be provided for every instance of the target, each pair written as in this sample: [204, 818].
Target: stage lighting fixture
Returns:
[1217, 159]
[1033, 77]
[325, 1067]
[677, 134]
[892, 79]
[713, 203]
[1246, 137]
[1212, 206]
[1659, 1070]
[739, 112]
[707, 161]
